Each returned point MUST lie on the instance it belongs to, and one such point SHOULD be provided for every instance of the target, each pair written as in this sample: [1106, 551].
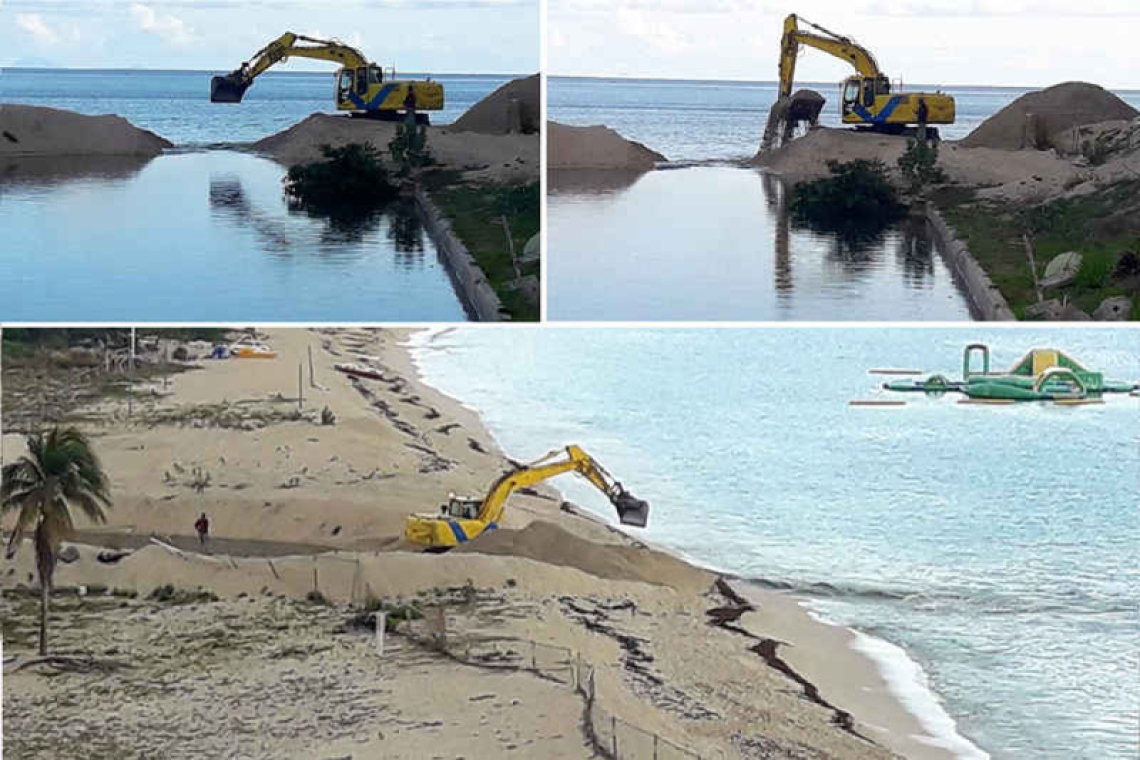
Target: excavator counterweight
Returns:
[462, 519]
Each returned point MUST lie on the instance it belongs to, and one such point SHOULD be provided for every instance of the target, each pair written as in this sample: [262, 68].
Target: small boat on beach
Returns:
[360, 370]
[1043, 374]
[248, 348]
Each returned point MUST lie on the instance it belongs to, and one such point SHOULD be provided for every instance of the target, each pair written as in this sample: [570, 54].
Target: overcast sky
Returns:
[432, 36]
[980, 42]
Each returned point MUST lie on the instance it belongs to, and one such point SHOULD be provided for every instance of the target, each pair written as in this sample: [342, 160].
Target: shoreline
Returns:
[904, 712]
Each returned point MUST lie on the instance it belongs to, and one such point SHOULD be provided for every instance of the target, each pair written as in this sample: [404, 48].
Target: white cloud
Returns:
[33, 24]
[168, 27]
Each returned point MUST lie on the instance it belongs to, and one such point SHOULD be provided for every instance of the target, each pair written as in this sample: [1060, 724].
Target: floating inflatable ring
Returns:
[935, 385]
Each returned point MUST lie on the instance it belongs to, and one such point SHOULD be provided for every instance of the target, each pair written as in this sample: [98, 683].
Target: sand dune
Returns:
[40, 131]
[596, 147]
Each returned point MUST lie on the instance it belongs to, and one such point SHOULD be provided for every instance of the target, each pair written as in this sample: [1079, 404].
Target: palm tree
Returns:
[59, 471]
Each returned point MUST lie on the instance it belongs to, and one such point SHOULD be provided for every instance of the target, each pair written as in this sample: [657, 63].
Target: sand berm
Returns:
[297, 506]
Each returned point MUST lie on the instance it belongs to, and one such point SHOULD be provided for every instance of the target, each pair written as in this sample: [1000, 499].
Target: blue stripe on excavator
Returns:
[371, 105]
[461, 535]
[885, 114]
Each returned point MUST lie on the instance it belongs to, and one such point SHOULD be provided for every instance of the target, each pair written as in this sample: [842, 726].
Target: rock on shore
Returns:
[596, 147]
[39, 131]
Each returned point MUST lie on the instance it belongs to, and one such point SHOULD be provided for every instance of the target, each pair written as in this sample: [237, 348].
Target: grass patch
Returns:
[474, 211]
[1100, 226]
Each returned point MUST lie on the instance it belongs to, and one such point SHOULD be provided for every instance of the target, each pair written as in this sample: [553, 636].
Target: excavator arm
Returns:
[829, 42]
[231, 87]
[443, 531]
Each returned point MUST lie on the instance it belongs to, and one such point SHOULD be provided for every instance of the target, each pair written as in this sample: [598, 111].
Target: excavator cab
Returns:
[463, 508]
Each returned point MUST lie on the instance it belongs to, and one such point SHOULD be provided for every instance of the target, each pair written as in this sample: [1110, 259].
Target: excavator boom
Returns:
[839, 46]
[453, 527]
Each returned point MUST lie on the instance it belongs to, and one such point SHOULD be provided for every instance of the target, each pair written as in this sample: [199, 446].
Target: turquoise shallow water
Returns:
[998, 546]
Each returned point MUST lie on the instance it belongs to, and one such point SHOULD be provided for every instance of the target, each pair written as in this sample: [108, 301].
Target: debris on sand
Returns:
[1036, 118]
[40, 131]
[596, 147]
[514, 108]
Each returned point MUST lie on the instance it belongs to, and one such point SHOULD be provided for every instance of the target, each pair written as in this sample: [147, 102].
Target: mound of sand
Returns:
[1035, 118]
[806, 157]
[515, 107]
[597, 147]
[551, 544]
[501, 158]
[39, 131]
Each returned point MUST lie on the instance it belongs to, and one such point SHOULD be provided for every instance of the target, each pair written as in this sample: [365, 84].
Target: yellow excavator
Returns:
[361, 86]
[463, 519]
[867, 100]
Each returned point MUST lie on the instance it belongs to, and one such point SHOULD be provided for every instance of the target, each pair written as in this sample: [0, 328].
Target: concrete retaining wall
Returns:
[987, 301]
[478, 297]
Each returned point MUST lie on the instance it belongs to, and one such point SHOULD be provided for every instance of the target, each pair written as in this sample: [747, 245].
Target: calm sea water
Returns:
[701, 120]
[715, 243]
[176, 104]
[999, 547]
[201, 234]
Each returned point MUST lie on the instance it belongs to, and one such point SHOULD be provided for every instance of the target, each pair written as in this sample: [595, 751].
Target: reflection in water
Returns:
[53, 170]
[590, 181]
[162, 240]
[915, 251]
[403, 227]
[406, 231]
[699, 244]
[228, 200]
[774, 196]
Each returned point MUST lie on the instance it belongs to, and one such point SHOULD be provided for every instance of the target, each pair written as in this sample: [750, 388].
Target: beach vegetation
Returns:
[349, 182]
[856, 202]
[60, 472]
[409, 148]
[919, 164]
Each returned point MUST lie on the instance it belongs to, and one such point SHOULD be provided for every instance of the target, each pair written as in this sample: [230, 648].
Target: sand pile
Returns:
[1035, 118]
[806, 157]
[549, 543]
[500, 158]
[38, 131]
[597, 147]
[513, 108]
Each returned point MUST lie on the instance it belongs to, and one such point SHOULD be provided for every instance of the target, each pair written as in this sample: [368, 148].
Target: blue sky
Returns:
[432, 36]
[974, 42]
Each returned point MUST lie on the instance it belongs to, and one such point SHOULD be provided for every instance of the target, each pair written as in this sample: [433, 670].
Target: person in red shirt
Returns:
[202, 525]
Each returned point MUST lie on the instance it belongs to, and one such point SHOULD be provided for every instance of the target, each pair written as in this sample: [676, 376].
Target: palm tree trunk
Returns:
[43, 618]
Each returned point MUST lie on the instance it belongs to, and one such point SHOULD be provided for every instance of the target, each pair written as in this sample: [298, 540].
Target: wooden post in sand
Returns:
[312, 377]
[381, 624]
[315, 586]
[300, 390]
[613, 733]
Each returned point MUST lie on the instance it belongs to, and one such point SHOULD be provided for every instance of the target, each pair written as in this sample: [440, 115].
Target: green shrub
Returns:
[919, 164]
[1095, 269]
[409, 148]
[857, 200]
[351, 180]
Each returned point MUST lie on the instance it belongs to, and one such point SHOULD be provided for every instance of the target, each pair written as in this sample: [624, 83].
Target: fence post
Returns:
[655, 747]
[533, 655]
[613, 734]
[316, 587]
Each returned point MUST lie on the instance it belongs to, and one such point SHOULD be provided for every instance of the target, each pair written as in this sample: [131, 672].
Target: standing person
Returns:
[410, 105]
[202, 525]
[923, 115]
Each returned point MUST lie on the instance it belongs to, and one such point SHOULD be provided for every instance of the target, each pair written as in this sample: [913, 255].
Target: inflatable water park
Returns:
[1043, 374]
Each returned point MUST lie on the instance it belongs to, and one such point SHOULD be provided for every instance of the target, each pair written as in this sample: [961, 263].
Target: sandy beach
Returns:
[297, 507]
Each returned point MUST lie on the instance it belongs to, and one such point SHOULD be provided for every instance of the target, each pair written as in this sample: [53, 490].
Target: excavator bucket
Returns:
[631, 510]
[227, 89]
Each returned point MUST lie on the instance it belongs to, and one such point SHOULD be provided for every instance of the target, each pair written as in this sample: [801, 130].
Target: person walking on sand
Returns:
[202, 525]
